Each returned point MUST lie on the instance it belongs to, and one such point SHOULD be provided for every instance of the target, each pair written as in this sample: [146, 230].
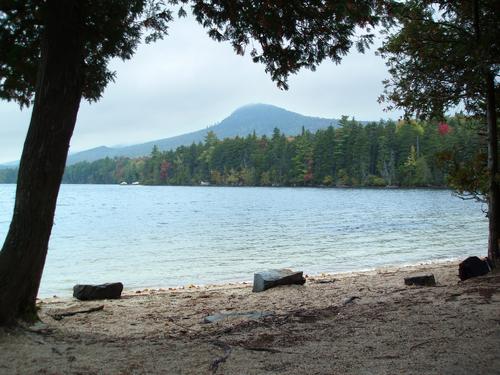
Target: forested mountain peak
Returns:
[263, 118]
[258, 118]
[261, 110]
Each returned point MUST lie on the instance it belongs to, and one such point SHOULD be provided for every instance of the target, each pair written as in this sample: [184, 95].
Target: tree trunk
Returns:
[494, 191]
[57, 99]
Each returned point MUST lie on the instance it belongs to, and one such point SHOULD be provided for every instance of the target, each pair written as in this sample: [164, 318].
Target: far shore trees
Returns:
[54, 53]
[354, 154]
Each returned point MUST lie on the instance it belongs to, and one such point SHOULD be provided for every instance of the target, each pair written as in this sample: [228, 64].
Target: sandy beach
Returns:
[354, 323]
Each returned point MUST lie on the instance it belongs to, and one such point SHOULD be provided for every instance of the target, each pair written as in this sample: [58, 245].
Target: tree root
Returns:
[214, 366]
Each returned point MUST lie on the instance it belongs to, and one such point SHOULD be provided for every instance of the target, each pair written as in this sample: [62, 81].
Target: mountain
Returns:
[9, 165]
[261, 118]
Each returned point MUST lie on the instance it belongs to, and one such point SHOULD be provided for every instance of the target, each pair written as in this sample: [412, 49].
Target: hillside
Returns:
[9, 165]
[261, 118]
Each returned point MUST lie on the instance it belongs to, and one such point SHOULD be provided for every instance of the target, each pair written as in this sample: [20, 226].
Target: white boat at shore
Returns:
[132, 183]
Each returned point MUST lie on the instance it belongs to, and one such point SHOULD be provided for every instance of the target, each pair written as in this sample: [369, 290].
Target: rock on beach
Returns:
[94, 292]
[422, 280]
[272, 278]
[473, 267]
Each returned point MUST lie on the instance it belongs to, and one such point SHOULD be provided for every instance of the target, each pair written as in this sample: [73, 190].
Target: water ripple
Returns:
[168, 236]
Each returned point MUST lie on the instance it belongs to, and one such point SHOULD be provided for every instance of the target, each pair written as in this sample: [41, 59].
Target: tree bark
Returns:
[494, 190]
[57, 100]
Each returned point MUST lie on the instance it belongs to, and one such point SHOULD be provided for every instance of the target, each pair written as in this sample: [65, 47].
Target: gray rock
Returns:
[422, 280]
[270, 279]
[350, 300]
[94, 292]
[249, 315]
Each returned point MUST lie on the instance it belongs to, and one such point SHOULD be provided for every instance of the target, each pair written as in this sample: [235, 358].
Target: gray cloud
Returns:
[188, 81]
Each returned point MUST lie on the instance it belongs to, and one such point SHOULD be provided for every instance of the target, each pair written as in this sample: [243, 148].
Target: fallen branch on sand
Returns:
[269, 350]
[325, 281]
[71, 313]
[429, 341]
[214, 366]
[261, 349]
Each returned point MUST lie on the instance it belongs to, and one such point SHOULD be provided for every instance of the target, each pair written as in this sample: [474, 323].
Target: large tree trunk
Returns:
[494, 190]
[57, 99]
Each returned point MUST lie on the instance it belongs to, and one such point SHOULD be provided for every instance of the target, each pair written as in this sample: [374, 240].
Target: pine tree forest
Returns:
[405, 153]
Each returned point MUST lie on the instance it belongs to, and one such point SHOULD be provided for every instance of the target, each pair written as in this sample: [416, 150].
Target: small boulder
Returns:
[422, 280]
[472, 267]
[272, 278]
[93, 292]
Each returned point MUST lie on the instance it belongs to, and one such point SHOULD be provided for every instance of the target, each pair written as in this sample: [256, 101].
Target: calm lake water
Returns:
[170, 236]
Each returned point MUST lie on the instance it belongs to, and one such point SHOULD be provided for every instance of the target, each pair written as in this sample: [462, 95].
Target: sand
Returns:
[356, 323]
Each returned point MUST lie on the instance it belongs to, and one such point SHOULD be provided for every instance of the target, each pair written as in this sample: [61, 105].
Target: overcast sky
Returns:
[187, 82]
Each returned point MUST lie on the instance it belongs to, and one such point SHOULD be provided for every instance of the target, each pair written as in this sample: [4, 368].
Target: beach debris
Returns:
[59, 316]
[184, 329]
[249, 315]
[214, 366]
[263, 349]
[324, 281]
[38, 327]
[306, 315]
[421, 280]
[93, 292]
[272, 278]
[350, 300]
[472, 267]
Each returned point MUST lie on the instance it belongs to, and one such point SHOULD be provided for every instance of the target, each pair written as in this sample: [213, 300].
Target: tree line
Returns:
[387, 153]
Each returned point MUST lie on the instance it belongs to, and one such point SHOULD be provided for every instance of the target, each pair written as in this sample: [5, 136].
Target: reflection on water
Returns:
[168, 236]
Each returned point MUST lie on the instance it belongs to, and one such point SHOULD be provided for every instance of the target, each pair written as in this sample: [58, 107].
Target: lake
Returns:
[163, 236]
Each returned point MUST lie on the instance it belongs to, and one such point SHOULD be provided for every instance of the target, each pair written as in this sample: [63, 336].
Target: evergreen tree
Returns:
[303, 161]
[442, 54]
[324, 157]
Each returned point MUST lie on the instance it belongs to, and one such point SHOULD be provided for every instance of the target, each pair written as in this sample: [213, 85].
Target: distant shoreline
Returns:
[277, 187]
